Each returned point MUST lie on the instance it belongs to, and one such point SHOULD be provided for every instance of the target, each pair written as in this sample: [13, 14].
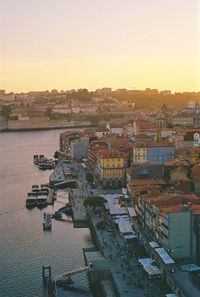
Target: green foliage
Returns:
[13, 117]
[5, 111]
[94, 201]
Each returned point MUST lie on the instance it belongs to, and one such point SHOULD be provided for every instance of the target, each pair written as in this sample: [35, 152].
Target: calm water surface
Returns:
[24, 246]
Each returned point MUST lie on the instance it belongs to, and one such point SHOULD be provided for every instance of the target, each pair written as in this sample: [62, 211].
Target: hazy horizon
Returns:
[91, 44]
[93, 90]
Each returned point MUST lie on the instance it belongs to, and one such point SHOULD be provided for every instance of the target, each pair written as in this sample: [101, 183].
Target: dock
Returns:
[47, 221]
[51, 197]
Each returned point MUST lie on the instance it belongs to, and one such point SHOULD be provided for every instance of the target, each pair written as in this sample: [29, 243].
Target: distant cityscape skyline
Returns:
[91, 43]
[94, 90]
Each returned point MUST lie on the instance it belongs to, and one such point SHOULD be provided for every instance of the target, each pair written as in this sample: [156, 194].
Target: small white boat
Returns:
[47, 221]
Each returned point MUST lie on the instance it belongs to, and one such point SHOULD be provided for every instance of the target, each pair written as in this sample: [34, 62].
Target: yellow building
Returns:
[139, 154]
[111, 168]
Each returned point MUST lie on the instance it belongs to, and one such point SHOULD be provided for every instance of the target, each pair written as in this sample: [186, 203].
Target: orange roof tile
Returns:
[177, 162]
[143, 182]
[173, 199]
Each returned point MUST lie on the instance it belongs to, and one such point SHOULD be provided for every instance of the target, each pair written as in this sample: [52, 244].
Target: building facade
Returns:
[153, 152]
[111, 168]
[171, 221]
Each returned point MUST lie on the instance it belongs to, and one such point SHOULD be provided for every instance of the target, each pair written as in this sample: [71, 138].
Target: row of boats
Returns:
[44, 163]
[38, 196]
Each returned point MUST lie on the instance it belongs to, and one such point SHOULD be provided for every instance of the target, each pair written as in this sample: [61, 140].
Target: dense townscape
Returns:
[57, 109]
[136, 172]
[154, 222]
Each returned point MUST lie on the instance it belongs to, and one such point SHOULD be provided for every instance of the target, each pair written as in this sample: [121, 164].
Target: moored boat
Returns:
[31, 200]
[35, 159]
[44, 187]
[41, 158]
[42, 197]
[46, 164]
[47, 221]
[35, 189]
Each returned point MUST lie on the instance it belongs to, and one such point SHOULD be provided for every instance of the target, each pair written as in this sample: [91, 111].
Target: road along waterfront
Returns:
[24, 247]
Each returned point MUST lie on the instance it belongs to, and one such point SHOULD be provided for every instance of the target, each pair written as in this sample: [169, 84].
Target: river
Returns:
[24, 246]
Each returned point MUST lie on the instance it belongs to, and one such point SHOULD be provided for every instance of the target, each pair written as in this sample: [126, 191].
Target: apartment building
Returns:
[153, 152]
[173, 221]
[111, 168]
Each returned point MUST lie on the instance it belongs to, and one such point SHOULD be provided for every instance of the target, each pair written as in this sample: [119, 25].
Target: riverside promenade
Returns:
[127, 274]
[121, 258]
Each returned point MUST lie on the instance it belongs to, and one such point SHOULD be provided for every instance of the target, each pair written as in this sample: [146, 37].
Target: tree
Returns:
[5, 110]
[94, 201]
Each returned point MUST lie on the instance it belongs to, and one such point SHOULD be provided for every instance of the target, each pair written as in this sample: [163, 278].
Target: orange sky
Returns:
[130, 44]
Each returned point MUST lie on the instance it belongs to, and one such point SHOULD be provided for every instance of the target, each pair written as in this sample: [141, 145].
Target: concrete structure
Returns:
[79, 148]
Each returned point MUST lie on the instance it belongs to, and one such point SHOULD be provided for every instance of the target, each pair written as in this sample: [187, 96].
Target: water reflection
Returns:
[24, 247]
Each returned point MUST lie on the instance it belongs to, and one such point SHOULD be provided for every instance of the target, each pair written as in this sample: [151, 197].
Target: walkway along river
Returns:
[24, 247]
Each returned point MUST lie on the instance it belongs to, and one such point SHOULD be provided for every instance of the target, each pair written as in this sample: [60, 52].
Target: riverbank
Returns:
[77, 125]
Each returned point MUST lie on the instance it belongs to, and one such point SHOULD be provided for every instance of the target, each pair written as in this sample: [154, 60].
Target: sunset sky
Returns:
[65, 44]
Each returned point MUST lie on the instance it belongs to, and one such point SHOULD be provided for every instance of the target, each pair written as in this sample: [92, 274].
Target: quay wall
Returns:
[57, 127]
[97, 277]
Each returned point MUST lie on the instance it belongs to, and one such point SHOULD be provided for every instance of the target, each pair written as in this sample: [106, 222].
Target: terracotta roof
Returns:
[196, 172]
[172, 208]
[177, 163]
[165, 129]
[146, 164]
[116, 125]
[184, 115]
[101, 129]
[143, 182]
[142, 135]
[172, 199]
[154, 144]
[196, 209]
[186, 129]
[181, 207]
[188, 150]
[160, 144]
[107, 153]
[70, 133]
[144, 125]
